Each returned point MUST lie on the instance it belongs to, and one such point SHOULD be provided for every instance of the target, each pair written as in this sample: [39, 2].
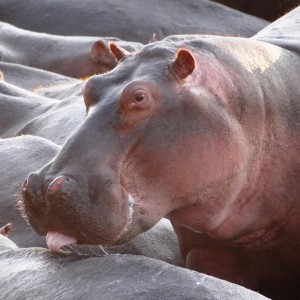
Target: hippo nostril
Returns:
[31, 186]
[55, 185]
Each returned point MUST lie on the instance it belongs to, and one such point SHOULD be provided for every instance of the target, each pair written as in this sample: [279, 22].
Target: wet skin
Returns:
[193, 128]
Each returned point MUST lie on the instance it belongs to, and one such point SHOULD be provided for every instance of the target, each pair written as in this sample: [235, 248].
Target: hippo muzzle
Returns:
[70, 211]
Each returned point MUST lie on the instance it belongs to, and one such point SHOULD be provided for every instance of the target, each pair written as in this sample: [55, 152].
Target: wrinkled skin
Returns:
[73, 56]
[193, 128]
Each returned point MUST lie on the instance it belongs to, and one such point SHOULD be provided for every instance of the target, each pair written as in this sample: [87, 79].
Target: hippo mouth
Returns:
[56, 240]
[67, 215]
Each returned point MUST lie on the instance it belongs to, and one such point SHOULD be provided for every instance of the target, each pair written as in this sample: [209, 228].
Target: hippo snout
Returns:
[36, 190]
[48, 202]
[73, 207]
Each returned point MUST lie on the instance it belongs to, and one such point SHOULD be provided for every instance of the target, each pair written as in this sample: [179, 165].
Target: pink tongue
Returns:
[56, 240]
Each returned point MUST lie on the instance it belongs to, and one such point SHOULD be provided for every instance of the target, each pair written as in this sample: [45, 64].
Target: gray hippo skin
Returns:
[39, 274]
[25, 112]
[73, 56]
[201, 129]
[31, 78]
[18, 156]
[133, 20]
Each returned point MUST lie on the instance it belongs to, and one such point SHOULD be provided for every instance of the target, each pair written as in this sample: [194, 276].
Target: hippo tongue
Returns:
[56, 240]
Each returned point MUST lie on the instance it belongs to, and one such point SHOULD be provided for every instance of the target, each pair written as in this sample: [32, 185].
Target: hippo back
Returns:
[285, 32]
[109, 277]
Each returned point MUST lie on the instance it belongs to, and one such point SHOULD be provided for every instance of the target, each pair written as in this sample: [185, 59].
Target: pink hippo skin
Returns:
[202, 129]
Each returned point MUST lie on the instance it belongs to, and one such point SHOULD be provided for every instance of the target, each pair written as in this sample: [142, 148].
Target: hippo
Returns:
[200, 129]
[18, 106]
[25, 112]
[32, 79]
[131, 21]
[89, 55]
[35, 273]
[24, 154]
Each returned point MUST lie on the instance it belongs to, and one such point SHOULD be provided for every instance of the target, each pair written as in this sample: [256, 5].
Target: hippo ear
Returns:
[5, 230]
[1, 76]
[101, 53]
[117, 51]
[184, 63]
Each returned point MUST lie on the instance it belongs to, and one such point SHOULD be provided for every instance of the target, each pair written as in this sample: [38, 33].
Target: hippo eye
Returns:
[136, 97]
[139, 97]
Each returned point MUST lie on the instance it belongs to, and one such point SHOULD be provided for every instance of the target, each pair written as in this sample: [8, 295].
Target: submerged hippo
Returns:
[202, 129]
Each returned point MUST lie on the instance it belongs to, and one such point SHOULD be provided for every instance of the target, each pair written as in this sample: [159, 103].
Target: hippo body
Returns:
[19, 106]
[25, 112]
[38, 274]
[201, 129]
[94, 18]
[73, 56]
[31, 78]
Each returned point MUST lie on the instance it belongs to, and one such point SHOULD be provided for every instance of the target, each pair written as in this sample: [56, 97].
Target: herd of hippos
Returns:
[150, 149]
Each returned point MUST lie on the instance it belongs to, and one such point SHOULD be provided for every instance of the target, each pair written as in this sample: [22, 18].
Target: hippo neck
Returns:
[269, 201]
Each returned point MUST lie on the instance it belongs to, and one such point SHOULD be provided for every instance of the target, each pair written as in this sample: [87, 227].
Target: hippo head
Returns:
[159, 139]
